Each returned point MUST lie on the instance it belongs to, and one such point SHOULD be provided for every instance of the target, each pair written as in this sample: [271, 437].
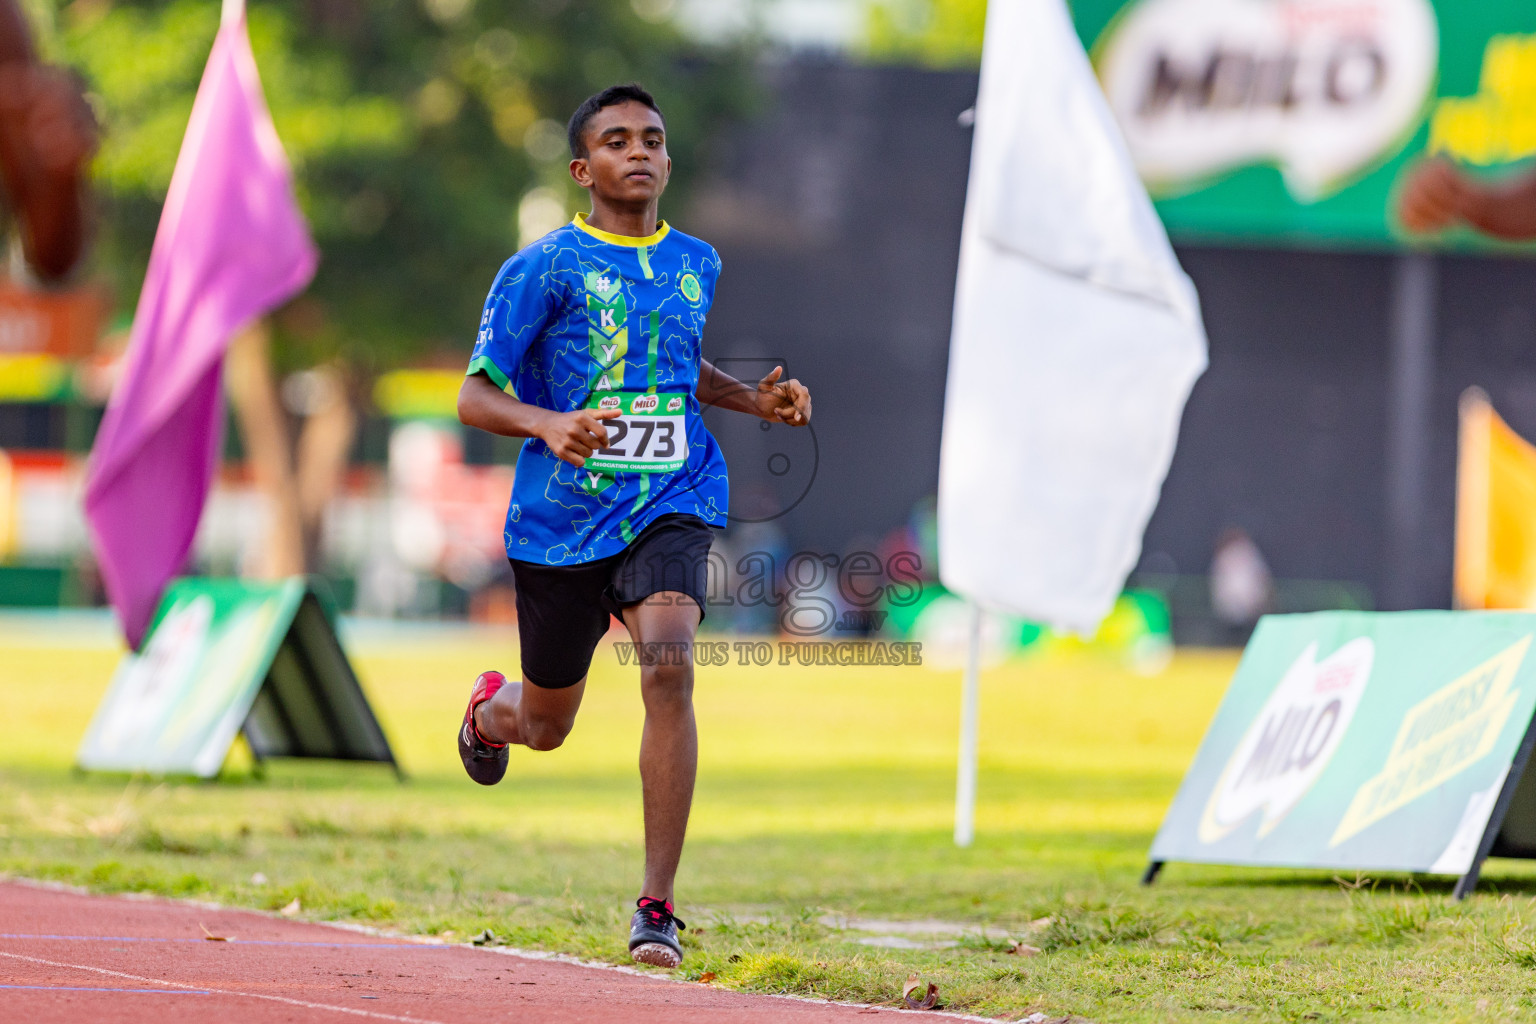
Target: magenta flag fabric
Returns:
[231, 245]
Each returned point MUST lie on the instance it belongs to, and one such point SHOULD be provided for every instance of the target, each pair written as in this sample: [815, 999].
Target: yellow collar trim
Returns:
[627, 240]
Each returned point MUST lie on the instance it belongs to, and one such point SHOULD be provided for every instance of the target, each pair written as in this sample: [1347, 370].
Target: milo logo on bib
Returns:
[609, 402]
[645, 403]
[674, 404]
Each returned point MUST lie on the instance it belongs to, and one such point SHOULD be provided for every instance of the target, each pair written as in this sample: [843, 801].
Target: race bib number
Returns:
[650, 436]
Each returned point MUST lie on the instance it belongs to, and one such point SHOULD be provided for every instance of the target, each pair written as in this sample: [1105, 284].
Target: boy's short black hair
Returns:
[576, 129]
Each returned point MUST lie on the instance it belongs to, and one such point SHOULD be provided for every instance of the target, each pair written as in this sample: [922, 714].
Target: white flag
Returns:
[1076, 339]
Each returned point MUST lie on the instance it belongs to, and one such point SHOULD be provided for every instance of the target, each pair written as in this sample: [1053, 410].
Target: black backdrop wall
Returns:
[837, 213]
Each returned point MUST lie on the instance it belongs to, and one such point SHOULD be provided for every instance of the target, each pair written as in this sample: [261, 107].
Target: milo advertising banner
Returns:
[1361, 741]
[225, 657]
[1299, 120]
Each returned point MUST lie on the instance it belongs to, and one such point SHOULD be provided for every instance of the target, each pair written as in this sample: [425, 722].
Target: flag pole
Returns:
[965, 776]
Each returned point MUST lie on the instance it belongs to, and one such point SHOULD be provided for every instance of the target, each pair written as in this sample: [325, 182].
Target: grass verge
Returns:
[819, 861]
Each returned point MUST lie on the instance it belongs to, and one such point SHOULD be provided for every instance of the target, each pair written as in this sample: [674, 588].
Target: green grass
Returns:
[825, 795]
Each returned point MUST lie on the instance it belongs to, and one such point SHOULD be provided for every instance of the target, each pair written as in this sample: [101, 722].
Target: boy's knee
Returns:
[670, 682]
[544, 733]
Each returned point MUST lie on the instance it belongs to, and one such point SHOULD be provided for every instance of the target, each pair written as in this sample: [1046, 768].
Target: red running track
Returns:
[68, 957]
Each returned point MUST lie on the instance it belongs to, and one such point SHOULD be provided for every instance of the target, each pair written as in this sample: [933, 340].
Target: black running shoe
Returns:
[485, 762]
[653, 934]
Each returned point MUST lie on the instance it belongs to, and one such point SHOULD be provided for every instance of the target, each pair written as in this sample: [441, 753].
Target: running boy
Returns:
[589, 346]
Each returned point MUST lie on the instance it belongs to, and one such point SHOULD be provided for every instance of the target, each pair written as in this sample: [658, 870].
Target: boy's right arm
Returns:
[570, 435]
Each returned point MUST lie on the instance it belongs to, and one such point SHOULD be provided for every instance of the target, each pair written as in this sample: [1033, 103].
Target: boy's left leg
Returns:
[663, 627]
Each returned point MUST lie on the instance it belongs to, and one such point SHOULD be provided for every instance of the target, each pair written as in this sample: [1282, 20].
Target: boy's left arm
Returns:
[787, 401]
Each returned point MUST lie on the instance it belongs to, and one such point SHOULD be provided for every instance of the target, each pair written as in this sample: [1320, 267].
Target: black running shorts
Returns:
[562, 610]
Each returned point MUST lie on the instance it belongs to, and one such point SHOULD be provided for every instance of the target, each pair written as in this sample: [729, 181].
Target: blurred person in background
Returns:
[590, 347]
[755, 552]
[1242, 588]
[47, 137]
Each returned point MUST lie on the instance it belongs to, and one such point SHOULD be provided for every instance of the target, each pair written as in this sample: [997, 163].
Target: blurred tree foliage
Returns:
[417, 129]
[937, 33]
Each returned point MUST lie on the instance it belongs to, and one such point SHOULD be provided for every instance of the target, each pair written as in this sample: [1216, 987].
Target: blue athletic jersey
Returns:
[581, 316]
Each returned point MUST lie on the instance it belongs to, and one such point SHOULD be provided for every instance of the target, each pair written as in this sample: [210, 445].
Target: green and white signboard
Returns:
[1361, 741]
[225, 656]
[1297, 121]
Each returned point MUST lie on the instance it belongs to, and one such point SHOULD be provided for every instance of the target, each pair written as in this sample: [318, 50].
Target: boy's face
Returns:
[626, 159]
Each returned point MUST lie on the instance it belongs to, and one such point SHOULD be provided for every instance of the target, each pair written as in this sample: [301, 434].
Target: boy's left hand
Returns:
[786, 401]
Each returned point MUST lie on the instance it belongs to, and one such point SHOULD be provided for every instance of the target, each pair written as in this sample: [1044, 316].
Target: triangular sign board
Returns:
[1359, 741]
[226, 656]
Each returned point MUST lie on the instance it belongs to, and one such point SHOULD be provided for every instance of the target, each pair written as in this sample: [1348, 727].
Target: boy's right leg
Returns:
[502, 712]
[560, 620]
[529, 715]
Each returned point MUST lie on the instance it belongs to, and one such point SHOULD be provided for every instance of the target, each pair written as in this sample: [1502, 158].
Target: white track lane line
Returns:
[221, 991]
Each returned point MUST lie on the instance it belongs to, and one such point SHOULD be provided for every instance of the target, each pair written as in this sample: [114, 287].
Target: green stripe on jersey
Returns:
[483, 364]
[652, 348]
[625, 530]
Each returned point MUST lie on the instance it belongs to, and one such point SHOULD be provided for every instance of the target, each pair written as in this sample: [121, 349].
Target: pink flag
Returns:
[231, 245]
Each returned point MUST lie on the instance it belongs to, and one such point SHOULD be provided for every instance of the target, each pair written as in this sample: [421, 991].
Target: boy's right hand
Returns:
[573, 436]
